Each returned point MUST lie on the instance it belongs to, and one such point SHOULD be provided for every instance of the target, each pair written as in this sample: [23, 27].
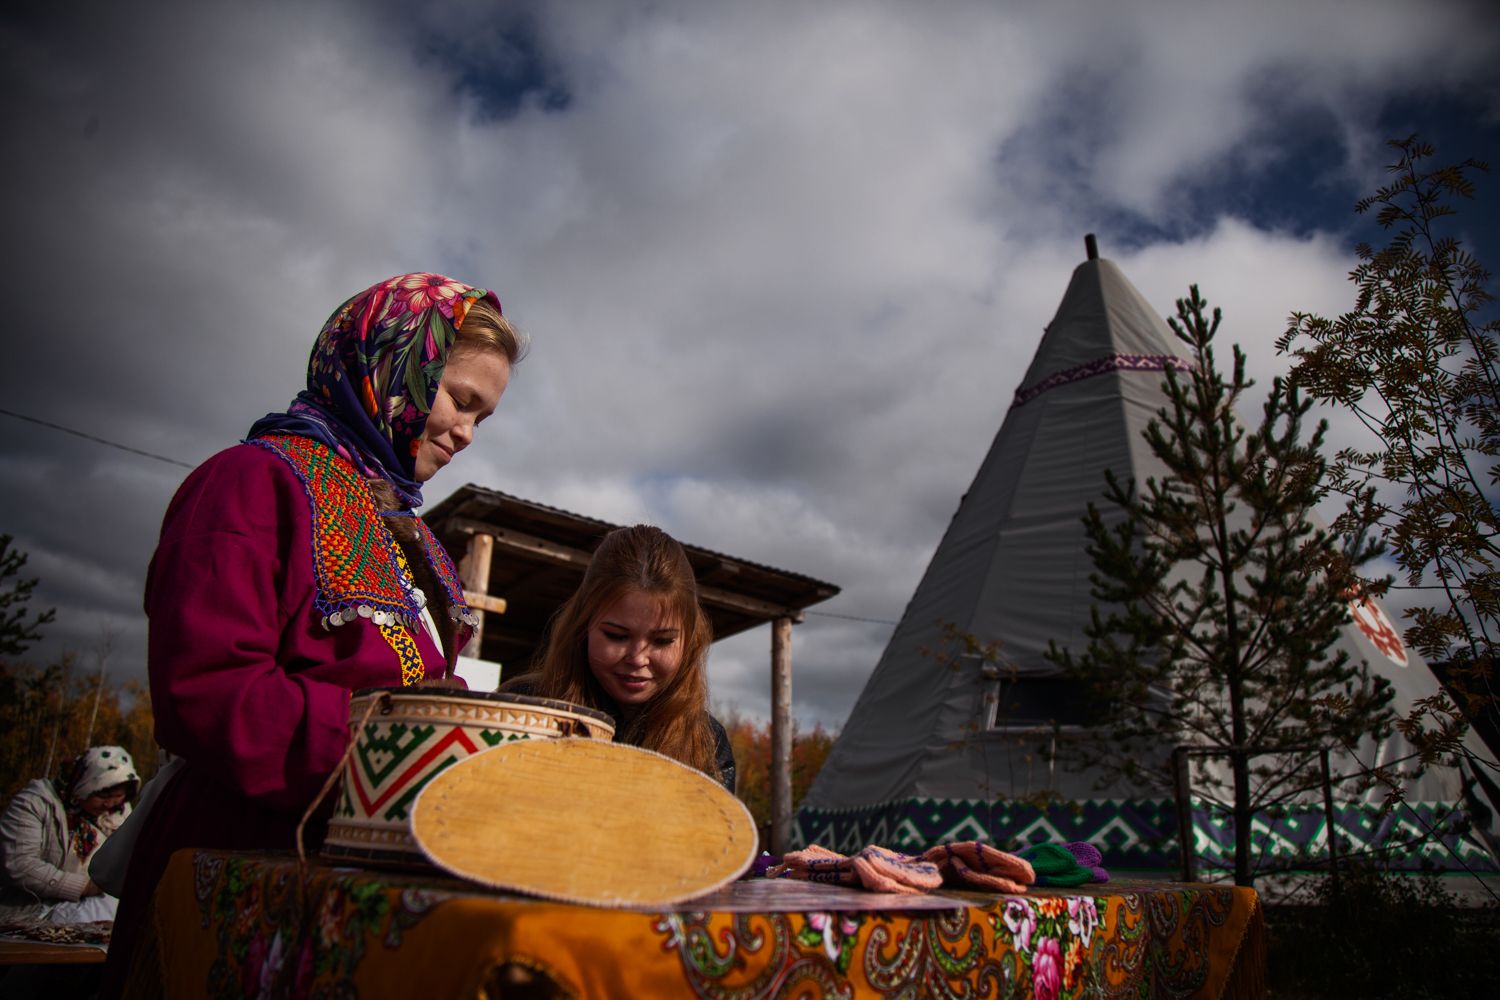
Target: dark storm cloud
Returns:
[784, 264]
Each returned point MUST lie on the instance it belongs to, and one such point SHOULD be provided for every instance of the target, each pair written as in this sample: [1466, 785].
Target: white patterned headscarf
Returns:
[96, 769]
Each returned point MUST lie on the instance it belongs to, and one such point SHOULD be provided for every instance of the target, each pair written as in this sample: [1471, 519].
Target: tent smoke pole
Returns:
[1091, 245]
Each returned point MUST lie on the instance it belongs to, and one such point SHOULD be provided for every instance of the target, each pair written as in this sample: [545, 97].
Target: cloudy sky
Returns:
[783, 263]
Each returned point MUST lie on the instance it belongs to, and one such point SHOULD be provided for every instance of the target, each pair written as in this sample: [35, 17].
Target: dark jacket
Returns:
[723, 753]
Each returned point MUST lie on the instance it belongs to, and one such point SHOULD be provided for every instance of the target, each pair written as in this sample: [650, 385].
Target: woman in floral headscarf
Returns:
[290, 572]
[52, 828]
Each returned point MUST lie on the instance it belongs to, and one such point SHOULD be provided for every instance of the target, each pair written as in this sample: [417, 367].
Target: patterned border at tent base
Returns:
[1141, 834]
[228, 925]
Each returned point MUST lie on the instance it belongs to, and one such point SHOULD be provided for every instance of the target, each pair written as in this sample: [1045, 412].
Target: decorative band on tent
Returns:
[1108, 363]
[1141, 834]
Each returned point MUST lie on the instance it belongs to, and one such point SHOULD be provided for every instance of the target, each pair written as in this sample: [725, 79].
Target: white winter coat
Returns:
[39, 866]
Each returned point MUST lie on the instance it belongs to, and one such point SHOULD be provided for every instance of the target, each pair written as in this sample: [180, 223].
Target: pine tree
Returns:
[1226, 600]
[16, 633]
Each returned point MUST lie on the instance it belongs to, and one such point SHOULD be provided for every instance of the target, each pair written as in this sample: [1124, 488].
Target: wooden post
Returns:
[1187, 849]
[475, 573]
[781, 736]
[1329, 820]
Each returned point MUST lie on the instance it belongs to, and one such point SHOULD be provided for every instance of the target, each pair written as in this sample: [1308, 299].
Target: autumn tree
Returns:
[1224, 601]
[50, 713]
[751, 744]
[53, 712]
[1417, 363]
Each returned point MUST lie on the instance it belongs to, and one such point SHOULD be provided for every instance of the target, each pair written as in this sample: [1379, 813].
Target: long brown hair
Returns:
[649, 561]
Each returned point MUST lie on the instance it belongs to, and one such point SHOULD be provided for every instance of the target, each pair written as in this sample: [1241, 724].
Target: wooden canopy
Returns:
[536, 558]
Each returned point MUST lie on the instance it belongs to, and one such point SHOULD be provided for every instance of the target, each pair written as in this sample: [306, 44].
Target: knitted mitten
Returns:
[816, 864]
[972, 865]
[881, 870]
[1089, 857]
[873, 868]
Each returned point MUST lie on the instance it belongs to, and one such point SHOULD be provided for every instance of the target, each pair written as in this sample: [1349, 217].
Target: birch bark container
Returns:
[412, 736]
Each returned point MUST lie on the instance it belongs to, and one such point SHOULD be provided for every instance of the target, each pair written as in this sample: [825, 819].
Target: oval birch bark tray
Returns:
[582, 821]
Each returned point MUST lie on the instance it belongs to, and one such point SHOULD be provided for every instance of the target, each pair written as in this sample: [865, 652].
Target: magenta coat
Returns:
[246, 683]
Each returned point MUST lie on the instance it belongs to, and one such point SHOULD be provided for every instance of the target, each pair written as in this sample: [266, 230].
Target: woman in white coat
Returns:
[52, 828]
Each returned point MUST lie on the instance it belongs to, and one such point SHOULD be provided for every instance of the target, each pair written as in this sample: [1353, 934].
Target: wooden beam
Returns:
[495, 605]
[725, 570]
[530, 547]
[521, 544]
[781, 736]
[475, 572]
[474, 507]
[749, 605]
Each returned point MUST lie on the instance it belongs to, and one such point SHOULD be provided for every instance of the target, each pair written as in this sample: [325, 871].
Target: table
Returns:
[243, 924]
[39, 953]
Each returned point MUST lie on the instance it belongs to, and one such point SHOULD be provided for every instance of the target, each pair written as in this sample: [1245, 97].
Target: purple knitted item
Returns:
[765, 861]
[1089, 857]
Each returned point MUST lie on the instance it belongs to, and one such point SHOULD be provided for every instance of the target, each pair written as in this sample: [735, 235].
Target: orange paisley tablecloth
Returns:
[245, 925]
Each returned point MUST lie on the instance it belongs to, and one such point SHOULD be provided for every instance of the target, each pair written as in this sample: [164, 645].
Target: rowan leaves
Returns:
[1418, 365]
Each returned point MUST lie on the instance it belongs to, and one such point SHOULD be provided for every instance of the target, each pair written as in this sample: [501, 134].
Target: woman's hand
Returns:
[90, 890]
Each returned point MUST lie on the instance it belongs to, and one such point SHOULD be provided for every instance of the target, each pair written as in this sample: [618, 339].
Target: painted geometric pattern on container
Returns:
[389, 769]
[1141, 834]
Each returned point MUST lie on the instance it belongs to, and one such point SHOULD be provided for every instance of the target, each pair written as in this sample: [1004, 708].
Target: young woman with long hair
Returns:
[633, 642]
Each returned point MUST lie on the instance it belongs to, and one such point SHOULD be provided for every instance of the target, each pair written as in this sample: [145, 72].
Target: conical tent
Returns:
[935, 753]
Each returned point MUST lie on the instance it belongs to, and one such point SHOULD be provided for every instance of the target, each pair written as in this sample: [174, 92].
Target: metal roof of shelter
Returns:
[540, 554]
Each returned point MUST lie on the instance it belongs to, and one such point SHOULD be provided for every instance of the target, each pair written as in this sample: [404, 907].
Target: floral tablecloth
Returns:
[247, 925]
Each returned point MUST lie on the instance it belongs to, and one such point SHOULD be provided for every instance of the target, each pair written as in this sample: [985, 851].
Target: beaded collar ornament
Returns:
[360, 568]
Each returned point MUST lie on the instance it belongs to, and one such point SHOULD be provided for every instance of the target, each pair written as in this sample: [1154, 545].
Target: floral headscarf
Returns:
[94, 770]
[374, 372]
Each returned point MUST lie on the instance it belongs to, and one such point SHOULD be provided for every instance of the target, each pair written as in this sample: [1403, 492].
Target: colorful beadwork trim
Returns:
[447, 574]
[360, 569]
[405, 646]
[1100, 366]
[355, 557]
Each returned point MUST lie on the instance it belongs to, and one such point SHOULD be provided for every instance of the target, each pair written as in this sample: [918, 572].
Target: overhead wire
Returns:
[188, 465]
[98, 440]
[852, 618]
